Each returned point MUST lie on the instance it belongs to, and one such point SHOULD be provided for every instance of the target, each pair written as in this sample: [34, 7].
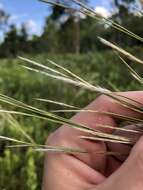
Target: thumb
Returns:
[130, 174]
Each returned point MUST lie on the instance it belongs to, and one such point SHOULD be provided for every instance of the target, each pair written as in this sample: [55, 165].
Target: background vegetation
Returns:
[82, 53]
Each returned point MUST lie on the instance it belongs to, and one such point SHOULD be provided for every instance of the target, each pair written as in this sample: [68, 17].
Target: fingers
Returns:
[106, 104]
[69, 137]
[115, 161]
[123, 149]
[130, 174]
[62, 172]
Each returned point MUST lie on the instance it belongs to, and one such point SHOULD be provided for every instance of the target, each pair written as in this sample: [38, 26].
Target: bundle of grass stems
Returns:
[60, 73]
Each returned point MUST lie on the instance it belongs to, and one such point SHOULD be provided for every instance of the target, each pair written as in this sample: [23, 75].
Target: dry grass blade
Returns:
[100, 134]
[23, 144]
[132, 71]
[110, 136]
[61, 149]
[58, 4]
[131, 104]
[57, 103]
[120, 50]
[14, 123]
[127, 141]
[119, 129]
[12, 140]
[42, 66]
[69, 72]
[57, 119]
[44, 148]
[127, 102]
[119, 116]
[39, 113]
[139, 10]
[75, 82]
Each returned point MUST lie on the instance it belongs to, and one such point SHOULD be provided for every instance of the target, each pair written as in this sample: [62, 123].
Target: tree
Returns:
[126, 17]
[123, 10]
[67, 25]
[49, 39]
[90, 29]
[23, 39]
[10, 46]
[16, 42]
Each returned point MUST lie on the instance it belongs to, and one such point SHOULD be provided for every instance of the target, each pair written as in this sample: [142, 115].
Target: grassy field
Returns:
[22, 169]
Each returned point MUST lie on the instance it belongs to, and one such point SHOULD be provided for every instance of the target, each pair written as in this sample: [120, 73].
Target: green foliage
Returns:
[128, 17]
[22, 168]
[10, 45]
[30, 171]
[15, 42]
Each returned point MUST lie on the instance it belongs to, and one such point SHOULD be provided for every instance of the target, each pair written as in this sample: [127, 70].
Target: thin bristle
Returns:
[127, 141]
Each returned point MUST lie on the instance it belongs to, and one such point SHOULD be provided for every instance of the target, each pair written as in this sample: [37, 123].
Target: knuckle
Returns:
[53, 137]
[104, 102]
[57, 138]
[49, 139]
[103, 98]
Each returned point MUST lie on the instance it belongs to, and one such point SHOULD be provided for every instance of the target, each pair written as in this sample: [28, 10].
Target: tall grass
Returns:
[60, 73]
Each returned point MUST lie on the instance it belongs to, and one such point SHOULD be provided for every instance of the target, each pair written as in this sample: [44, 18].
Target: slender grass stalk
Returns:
[136, 106]
[132, 71]
[14, 123]
[120, 50]
[126, 141]
[24, 144]
[57, 103]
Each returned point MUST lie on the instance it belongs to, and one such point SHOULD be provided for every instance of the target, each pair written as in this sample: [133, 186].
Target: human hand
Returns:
[93, 171]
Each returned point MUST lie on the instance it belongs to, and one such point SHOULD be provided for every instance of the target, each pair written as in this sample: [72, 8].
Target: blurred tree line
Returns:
[67, 31]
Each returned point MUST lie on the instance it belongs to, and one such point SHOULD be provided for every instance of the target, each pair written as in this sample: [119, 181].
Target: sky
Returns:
[33, 12]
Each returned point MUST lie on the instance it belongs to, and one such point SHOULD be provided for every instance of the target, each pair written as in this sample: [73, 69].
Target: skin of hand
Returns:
[94, 171]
